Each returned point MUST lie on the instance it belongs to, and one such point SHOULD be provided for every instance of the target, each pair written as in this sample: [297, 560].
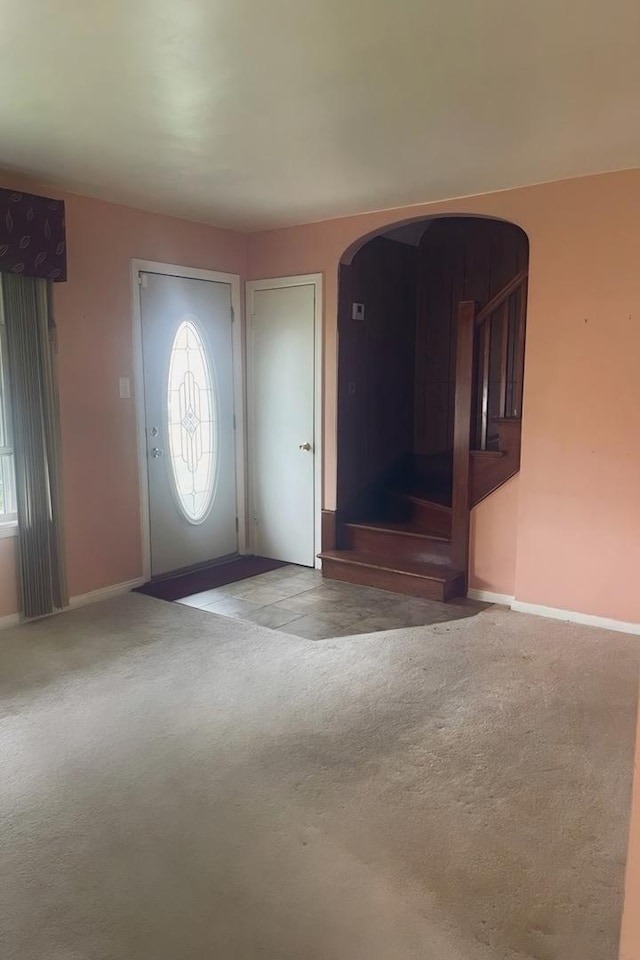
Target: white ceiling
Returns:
[253, 113]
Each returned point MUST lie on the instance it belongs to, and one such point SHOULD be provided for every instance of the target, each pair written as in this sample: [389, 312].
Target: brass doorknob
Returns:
[305, 446]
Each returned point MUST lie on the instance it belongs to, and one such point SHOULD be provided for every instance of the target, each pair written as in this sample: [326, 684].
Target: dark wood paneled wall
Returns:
[376, 368]
[396, 368]
[459, 258]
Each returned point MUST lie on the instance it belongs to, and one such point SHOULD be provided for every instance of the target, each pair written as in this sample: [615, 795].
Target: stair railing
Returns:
[500, 327]
[490, 338]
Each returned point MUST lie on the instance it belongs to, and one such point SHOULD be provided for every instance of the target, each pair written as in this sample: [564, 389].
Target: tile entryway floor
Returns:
[297, 600]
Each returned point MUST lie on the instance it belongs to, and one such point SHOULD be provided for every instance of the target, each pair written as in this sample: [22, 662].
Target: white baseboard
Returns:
[553, 613]
[12, 620]
[572, 616]
[104, 593]
[82, 600]
[489, 597]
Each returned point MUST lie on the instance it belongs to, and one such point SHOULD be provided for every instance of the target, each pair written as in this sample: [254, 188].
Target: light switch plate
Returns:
[124, 386]
[357, 311]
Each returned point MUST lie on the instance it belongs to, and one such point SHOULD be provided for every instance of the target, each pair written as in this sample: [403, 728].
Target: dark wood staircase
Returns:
[417, 541]
[407, 551]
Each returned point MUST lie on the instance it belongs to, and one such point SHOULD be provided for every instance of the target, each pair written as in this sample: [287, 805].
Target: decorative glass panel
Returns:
[192, 424]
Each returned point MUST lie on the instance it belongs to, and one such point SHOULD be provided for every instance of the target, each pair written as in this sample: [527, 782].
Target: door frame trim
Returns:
[302, 280]
[189, 273]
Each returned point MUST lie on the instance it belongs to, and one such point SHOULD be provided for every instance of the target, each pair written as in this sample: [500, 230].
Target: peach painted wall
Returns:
[577, 514]
[93, 313]
[492, 542]
[630, 937]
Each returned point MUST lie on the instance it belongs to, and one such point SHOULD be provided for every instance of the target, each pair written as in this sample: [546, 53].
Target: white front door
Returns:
[282, 435]
[189, 412]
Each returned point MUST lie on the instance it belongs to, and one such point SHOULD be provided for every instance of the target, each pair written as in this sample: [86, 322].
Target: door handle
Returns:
[305, 446]
[156, 452]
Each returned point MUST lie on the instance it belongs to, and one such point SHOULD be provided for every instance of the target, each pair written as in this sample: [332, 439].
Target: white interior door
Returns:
[282, 436]
[189, 412]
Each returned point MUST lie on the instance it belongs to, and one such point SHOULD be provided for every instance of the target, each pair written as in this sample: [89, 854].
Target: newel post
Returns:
[461, 502]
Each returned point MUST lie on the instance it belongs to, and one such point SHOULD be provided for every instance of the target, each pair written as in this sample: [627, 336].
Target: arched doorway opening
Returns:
[409, 365]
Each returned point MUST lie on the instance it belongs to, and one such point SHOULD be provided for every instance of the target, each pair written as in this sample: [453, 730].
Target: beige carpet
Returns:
[178, 786]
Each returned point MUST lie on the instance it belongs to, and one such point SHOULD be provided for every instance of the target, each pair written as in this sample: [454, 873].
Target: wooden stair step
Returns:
[429, 580]
[401, 527]
[399, 539]
[423, 499]
[425, 515]
[418, 491]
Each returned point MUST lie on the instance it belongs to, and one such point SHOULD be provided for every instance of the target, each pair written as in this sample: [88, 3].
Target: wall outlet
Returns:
[124, 388]
[357, 311]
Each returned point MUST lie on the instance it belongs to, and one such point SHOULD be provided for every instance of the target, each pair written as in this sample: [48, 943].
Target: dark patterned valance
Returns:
[32, 238]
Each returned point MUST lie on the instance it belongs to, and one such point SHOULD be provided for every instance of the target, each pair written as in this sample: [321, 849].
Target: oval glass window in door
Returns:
[192, 422]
